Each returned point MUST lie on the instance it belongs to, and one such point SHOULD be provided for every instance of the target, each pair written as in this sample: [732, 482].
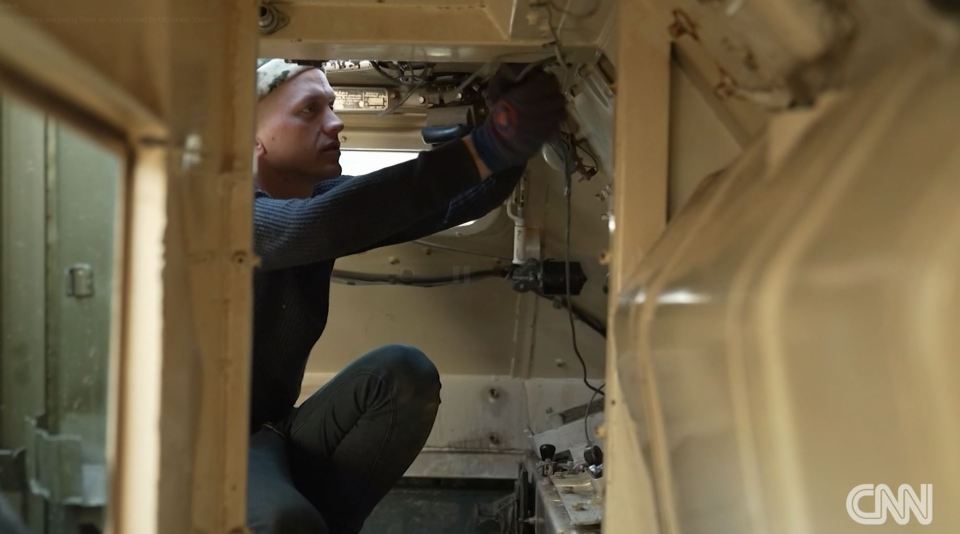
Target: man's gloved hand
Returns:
[523, 115]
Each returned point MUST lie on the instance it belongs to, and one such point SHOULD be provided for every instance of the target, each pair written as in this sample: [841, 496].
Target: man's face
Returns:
[297, 130]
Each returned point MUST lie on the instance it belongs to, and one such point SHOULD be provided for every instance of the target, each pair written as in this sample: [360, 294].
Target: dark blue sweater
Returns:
[298, 241]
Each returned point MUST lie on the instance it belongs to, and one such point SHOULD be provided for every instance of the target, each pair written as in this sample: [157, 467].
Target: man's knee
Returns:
[410, 370]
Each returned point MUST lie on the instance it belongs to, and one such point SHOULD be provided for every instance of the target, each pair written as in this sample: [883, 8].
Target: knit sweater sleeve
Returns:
[469, 205]
[358, 213]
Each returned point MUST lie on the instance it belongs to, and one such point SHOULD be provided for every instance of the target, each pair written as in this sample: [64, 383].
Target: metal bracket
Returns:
[56, 471]
[12, 470]
[80, 280]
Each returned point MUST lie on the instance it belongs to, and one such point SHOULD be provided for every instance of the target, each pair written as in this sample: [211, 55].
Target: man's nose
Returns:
[333, 125]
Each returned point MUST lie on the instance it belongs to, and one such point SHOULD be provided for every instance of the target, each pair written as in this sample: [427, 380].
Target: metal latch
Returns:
[80, 280]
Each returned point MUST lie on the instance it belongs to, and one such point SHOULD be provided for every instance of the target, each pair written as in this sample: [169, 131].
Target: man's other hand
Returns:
[523, 115]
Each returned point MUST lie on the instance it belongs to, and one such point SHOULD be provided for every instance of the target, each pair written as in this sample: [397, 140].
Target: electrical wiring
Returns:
[407, 71]
[582, 315]
[588, 319]
[572, 163]
[376, 66]
[487, 69]
[566, 147]
[406, 96]
[581, 145]
[357, 278]
[557, 47]
[459, 250]
[586, 414]
[414, 82]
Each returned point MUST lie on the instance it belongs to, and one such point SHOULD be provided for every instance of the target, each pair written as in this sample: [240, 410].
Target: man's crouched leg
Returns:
[274, 505]
[353, 439]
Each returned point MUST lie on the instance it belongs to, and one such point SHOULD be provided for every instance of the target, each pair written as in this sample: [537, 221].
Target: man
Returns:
[323, 466]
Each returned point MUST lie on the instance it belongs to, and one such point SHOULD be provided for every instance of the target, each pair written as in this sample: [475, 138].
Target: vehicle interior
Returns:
[722, 300]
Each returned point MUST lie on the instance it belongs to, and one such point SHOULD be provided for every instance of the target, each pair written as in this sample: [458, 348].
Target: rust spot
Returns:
[683, 25]
[726, 87]
[750, 61]
[749, 58]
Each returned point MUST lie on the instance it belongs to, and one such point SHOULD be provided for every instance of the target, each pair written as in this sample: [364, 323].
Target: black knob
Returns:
[593, 455]
[547, 451]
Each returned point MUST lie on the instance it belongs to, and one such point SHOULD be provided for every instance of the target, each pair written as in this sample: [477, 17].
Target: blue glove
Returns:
[523, 115]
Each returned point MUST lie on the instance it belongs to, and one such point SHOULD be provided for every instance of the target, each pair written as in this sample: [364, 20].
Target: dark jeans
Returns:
[325, 467]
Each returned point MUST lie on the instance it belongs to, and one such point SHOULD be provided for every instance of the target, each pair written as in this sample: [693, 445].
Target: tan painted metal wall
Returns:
[700, 143]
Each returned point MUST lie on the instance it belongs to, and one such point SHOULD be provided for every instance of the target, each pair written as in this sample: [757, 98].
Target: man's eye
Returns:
[307, 110]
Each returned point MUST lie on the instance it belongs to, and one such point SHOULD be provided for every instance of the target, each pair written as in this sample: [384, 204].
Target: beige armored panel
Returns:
[786, 351]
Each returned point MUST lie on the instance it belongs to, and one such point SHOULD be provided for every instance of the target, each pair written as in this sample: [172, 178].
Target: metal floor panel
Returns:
[418, 506]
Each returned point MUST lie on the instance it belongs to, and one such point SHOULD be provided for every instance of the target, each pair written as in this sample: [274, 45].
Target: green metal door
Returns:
[59, 211]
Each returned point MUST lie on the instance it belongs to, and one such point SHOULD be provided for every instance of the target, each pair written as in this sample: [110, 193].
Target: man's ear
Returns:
[259, 150]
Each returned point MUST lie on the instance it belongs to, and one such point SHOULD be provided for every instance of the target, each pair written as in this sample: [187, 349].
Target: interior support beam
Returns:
[640, 211]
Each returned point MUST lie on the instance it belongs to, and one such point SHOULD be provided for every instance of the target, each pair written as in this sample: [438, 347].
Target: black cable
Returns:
[459, 250]
[354, 278]
[585, 317]
[384, 73]
[403, 99]
[407, 71]
[581, 144]
[568, 192]
[586, 415]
